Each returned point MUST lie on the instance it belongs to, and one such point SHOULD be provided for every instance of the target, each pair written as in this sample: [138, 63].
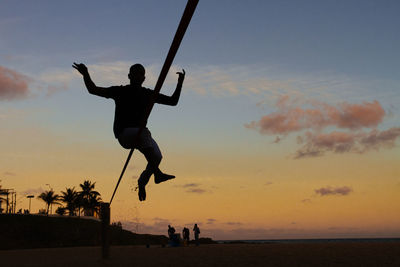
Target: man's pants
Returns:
[145, 144]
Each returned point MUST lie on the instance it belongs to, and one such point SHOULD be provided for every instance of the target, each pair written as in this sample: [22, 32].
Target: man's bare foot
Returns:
[162, 177]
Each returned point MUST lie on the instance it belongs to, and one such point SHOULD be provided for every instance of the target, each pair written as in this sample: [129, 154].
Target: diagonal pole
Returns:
[180, 32]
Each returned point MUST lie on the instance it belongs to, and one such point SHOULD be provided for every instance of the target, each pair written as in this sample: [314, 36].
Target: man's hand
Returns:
[181, 76]
[81, 68]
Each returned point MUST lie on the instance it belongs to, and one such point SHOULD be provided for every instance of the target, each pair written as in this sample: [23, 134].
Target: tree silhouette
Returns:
[90, 198]
[69, 197]
[60, 211]
[50, 198]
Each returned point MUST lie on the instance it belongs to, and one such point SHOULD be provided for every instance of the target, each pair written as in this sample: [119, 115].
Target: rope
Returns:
[180, 32]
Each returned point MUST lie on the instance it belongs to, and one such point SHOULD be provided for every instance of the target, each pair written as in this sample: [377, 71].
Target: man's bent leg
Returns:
[153, 156]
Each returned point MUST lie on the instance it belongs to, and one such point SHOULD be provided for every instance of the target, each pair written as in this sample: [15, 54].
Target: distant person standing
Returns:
[186, 236]
[196, 231]
[171, 232]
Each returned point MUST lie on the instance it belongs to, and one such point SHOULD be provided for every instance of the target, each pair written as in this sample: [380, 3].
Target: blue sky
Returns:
[356, 37]
[241, 58]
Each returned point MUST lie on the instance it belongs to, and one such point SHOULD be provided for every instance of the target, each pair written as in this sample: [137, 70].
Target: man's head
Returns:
[136, 74]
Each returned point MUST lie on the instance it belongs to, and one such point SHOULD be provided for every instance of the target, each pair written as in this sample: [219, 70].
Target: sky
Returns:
[288, 125]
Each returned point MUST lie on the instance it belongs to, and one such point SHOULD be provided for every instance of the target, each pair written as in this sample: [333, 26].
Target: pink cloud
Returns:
[340, 142]
[291, 118]
[13, 85]
[377, 139]
[326, 191]
[356, 116]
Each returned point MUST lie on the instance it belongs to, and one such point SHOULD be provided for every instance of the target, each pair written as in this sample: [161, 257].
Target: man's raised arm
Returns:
[173, 100]
[90, 85]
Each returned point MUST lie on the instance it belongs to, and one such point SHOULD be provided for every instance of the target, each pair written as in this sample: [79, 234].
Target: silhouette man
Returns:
[131, 104]
[186, 236]
[196, 231]
[171, 232]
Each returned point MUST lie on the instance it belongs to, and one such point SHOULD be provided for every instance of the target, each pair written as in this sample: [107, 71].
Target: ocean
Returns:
[322, 240]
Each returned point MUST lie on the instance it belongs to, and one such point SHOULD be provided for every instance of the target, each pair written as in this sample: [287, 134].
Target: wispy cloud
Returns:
[157, 226]
[329, 190]
[193, 188]
[234, 223]
[214, 80]
[190, 185]
[33, 191]
[55, 80]
[196, 191]
[7, 173]
[13, 85]
[238, 231]
[341, 142]
[211, 221]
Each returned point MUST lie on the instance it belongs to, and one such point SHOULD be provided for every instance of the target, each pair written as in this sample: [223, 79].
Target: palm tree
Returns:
[60, 211]
[69, 197]
[50, 198]
[79, 203]
[90, 198]
[93, 205]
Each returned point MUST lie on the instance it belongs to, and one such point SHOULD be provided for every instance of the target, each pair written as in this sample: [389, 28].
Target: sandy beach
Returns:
[301, 254]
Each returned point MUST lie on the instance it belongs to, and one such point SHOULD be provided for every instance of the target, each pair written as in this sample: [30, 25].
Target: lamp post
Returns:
[30, 198]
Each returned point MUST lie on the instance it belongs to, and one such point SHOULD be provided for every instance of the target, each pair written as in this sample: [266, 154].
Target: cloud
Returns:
[377, 139]
[326, 191]
[277, 140]
[292, 118]
[354, 119]
[190, 185]
[32, 191]
[315, 145]
[211, 221]
[234, 223]
[268, 183]
[214, 80]
[306, 201]
[9, 173]
[13, 85]
[56, 80]
[196, 191]
[193, 188]
[248, 232]
[157, 226]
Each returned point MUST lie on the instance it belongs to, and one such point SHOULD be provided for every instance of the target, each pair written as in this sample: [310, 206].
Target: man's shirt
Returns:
[131, 103]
